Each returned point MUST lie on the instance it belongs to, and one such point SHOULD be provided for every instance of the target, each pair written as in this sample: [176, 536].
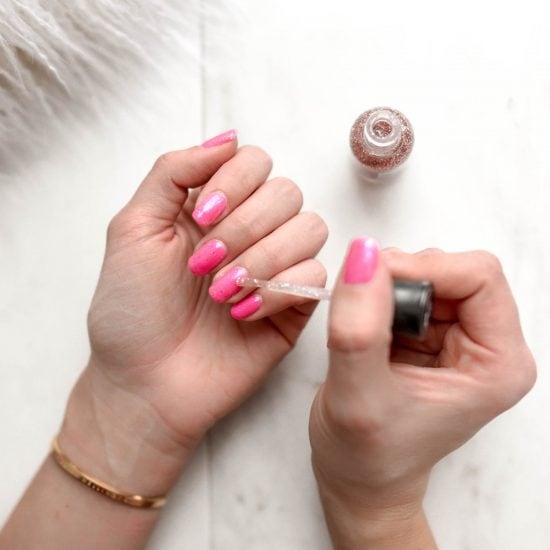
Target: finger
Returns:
[162, 193]
[191, 201]
[431, 344]
[265, 303]
[232, 184]
[274, 203]
[298, 239]
[444, 310]
[360, 320]
[409, 357]
[485, 306]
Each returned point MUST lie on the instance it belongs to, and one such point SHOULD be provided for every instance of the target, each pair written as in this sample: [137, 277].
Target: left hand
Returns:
[168, 361]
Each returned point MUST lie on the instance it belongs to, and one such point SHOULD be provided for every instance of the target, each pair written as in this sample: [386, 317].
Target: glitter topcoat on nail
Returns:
[207, 257]
[210, 208]
[226, 286]
[381, 140]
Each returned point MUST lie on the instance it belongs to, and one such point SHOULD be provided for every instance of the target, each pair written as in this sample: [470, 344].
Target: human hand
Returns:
[167, 361]
[389, 410]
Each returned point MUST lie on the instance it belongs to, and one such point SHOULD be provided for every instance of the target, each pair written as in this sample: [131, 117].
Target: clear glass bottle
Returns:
[381, 139]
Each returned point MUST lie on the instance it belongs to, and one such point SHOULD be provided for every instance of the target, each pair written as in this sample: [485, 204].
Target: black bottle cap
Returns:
[413, 307]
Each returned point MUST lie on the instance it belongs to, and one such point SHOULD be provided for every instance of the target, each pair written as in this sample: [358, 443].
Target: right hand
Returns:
[389, 411]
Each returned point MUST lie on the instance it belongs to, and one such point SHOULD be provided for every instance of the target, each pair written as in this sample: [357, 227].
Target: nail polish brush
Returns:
[412, 299]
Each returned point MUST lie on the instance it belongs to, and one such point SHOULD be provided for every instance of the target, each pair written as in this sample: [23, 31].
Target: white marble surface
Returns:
[473, 78]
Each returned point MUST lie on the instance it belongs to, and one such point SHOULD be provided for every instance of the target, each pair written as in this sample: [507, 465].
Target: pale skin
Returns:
[390, 409]
[167, 362]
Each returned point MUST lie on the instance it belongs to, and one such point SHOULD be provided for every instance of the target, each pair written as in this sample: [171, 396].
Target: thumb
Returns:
[163, 192]
[360, 320]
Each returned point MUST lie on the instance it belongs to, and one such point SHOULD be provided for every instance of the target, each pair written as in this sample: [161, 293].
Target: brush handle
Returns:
[412, 299]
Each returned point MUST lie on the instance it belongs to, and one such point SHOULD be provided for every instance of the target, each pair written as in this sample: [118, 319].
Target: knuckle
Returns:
[240, 219]
[315, 225]
[165, 161]
[489, 263]
[128, 225]
[247, 229]
[247, 233]
[430, 251]
[394, 255]
[391, 250]
[314, 272]
[258, 154]
[356, 338]
[116, 225]
[319, 272]
[289, 191]
[531, 375]
[270, 255]
[354, 420]
[366, 427]
[340, 339]
[521, 380]
[527, 375]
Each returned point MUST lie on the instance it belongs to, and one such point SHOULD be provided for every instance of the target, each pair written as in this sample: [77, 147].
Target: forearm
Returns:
[113, 437]
[57, 511]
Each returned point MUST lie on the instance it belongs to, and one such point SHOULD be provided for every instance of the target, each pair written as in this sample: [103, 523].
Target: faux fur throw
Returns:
[55, 53]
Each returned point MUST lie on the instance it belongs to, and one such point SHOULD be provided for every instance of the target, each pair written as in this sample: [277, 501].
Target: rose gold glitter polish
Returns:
[381, 140]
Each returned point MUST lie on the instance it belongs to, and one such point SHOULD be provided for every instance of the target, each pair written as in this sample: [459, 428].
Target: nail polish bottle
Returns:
[381, 139]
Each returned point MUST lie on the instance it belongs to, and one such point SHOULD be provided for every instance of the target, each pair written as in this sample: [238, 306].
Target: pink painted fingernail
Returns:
[361, 261]
[226, 137]
[246, 307]
[226, 286]
[210, 208]
[207, 257]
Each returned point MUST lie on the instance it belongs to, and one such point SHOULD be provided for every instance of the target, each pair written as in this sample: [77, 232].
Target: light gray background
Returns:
[473, 77]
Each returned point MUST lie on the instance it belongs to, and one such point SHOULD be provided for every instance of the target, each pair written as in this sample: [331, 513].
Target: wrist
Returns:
[116, 436]
[381, 517]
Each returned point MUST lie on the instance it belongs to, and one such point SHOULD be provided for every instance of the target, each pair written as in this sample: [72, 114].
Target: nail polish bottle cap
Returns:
[382, 132]
[413, 307]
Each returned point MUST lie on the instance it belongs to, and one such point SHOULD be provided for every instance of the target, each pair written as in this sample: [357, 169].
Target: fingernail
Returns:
[226, 137]
[207, 257]
[226, 286]
[210, 208]
[246, 307]
[361, 261]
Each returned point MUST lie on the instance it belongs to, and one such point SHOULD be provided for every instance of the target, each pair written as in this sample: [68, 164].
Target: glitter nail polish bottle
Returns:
[381, 140]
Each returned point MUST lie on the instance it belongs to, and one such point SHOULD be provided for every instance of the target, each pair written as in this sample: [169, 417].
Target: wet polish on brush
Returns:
[210, 208]
[207, 257]
[226, 286]
[381, 140]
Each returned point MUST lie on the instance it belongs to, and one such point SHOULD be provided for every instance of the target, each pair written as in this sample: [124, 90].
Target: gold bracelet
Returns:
[136, 501]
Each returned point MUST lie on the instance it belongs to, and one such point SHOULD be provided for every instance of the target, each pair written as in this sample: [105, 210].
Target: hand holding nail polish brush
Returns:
[412, 301]
[390, 408]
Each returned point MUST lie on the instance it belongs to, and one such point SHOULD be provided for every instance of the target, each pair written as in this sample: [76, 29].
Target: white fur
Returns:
[55, 53]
